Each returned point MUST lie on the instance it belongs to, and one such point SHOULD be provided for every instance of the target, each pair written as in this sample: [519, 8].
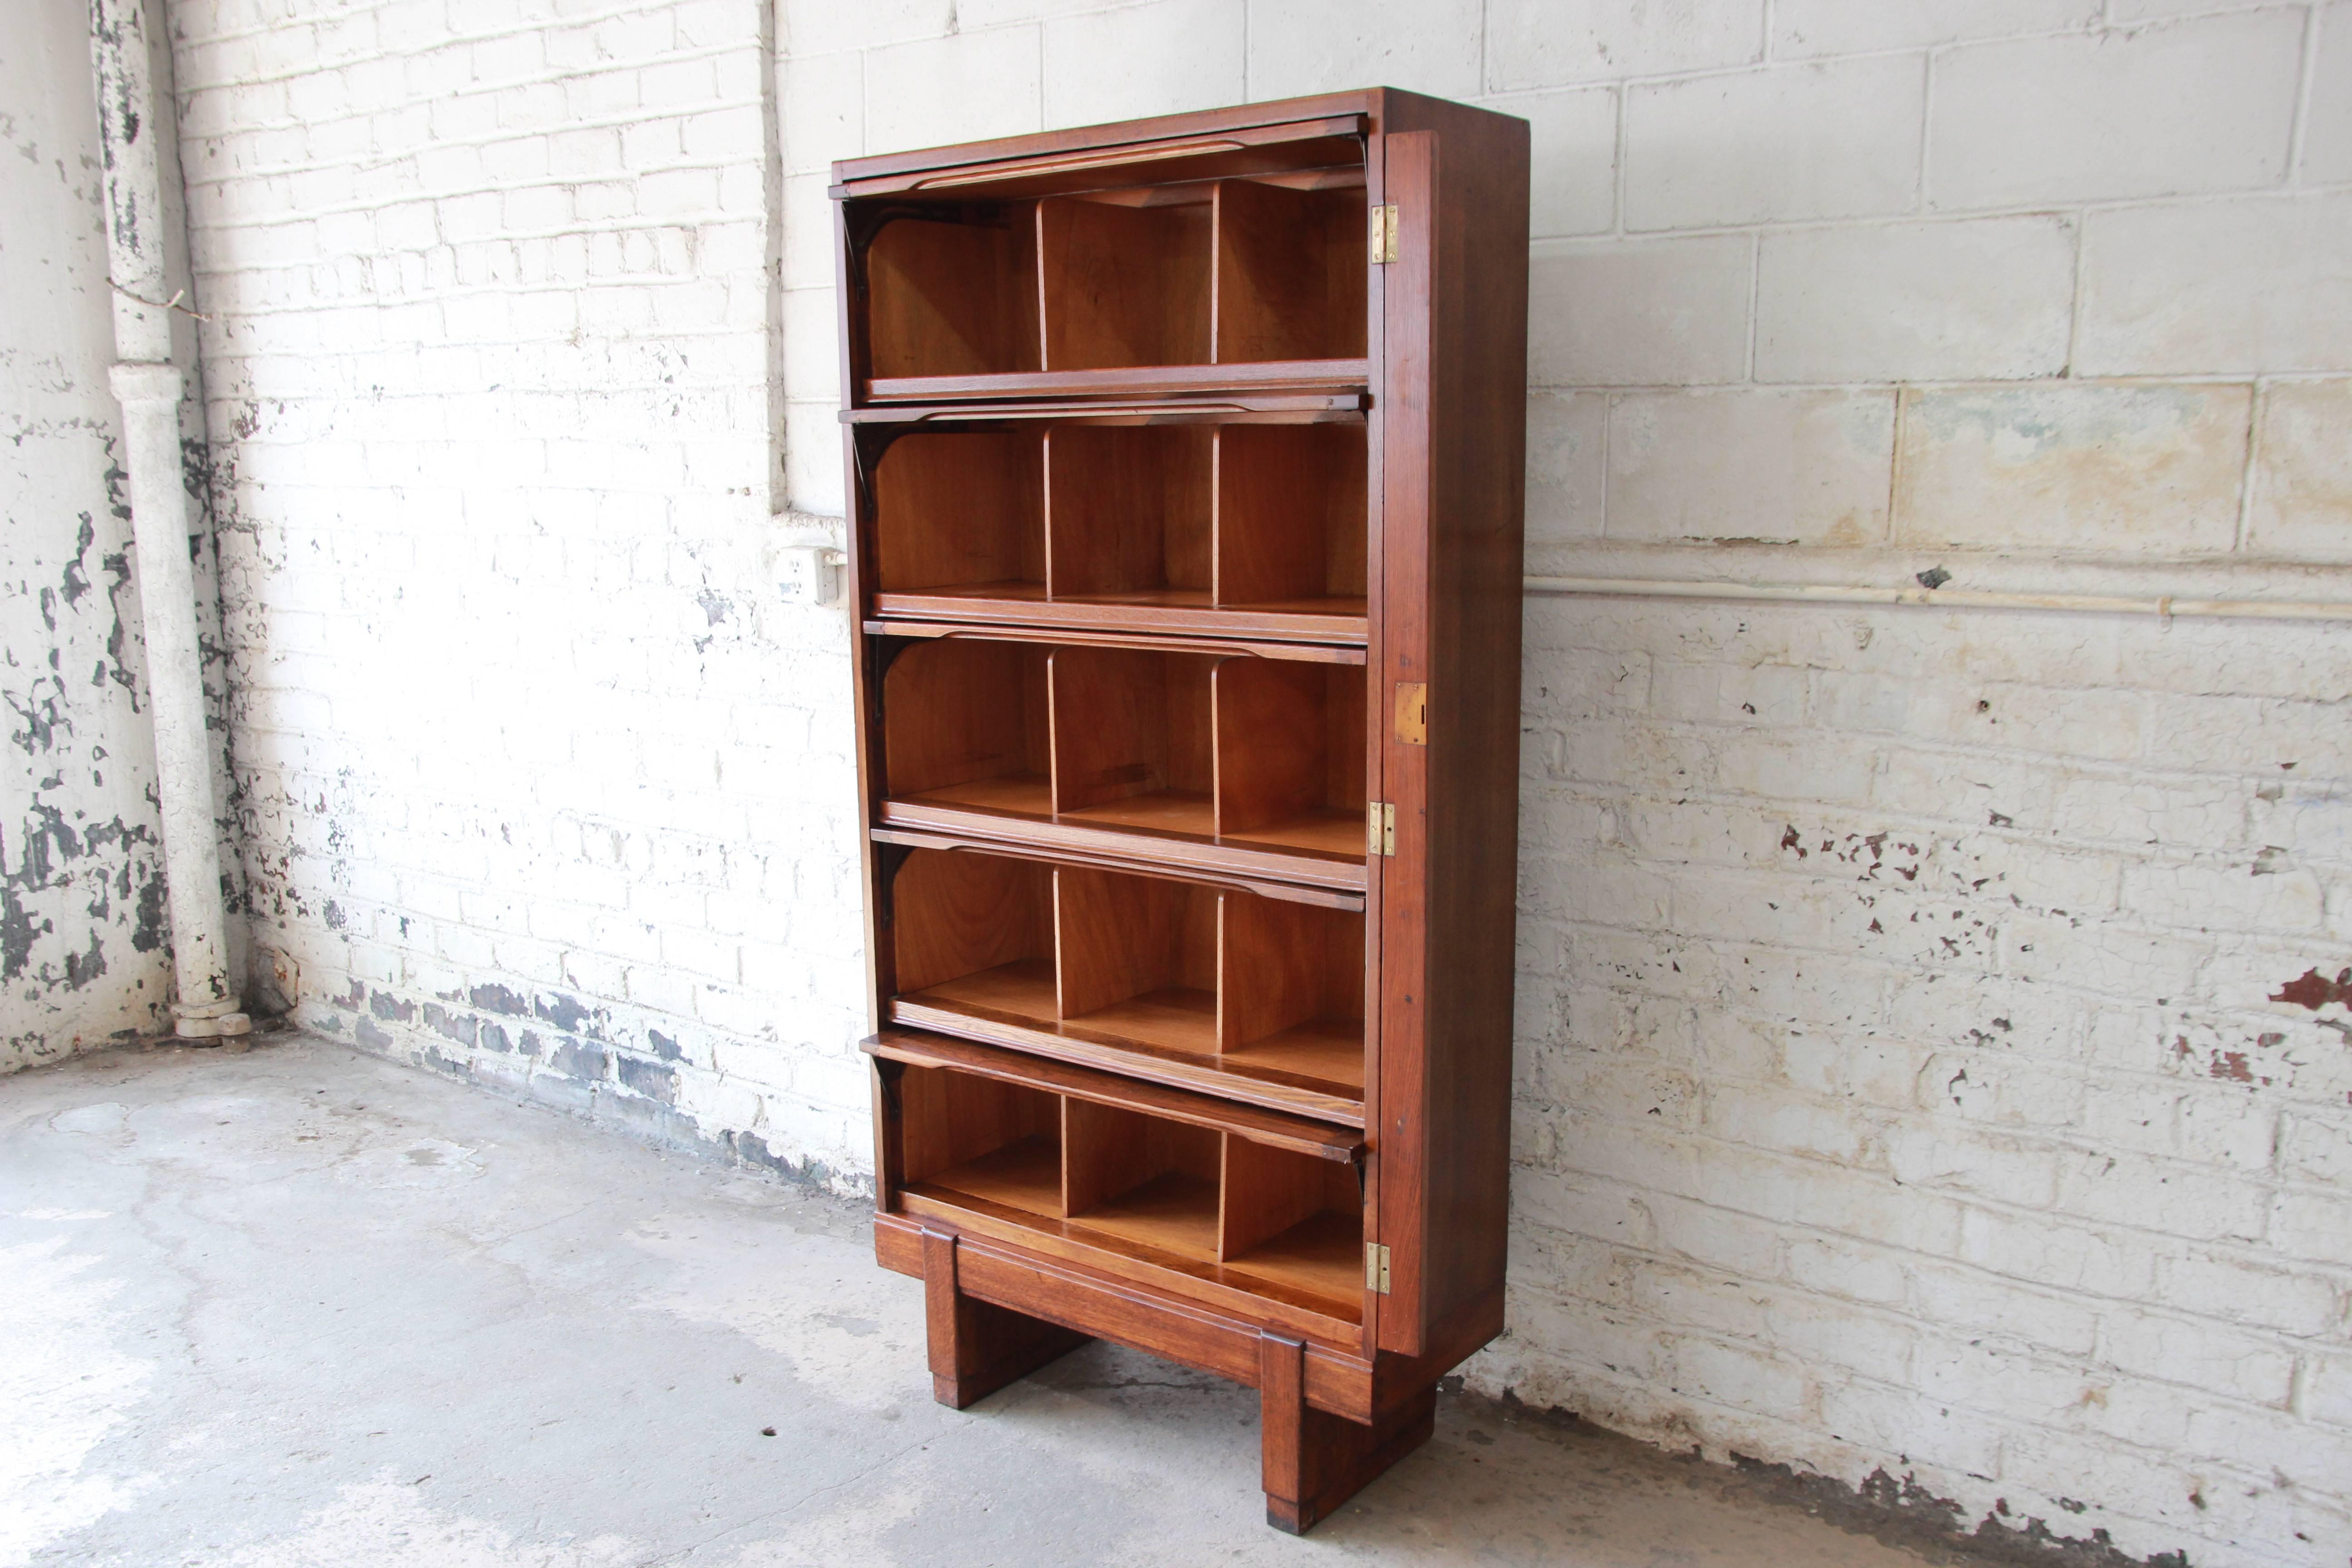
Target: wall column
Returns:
[205, 1003]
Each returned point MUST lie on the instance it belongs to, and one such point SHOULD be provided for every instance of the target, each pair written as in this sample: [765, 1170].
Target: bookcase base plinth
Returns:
[976, 1346]
[1314, 1460]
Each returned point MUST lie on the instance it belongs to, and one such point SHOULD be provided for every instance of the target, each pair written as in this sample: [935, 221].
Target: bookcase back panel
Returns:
[1290, 517]
[960, 508]
[968, 722]
[1124, 284]
[1290, 269]
[953, 294]
[1128, 510]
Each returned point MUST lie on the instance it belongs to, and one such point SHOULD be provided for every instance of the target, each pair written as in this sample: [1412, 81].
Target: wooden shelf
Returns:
[1186, 462]
[1210, 525]
[1186, 1204]
[1251, 754]
[1223, 990]
[1205, 285]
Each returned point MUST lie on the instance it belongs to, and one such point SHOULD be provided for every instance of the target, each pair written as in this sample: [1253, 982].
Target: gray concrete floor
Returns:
[304, 1308]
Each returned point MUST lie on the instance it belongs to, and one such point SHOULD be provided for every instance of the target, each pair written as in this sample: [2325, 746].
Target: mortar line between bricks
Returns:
[1903, 1317]
[2004, 1207]
[543, 25]
[376, 158]
[2308, 70]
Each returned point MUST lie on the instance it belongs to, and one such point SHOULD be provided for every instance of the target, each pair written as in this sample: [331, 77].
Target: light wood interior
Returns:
[1290, 267]
[966, 723]
[960, 510]
[1129, 512]
[1124, 277]
[1290, 755]
[1290, 517]
[1264, 987]
[997, 1141]
[1133, 1179]
[1139, 958]
[955, 294]
[1291, 1218]
[1142, 1178]
[1236, 271]
[1131, 739]
[1291, 989]
[1264, 752]
[975, 932]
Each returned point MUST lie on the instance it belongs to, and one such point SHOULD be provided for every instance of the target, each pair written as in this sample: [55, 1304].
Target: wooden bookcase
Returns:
[1186, 476]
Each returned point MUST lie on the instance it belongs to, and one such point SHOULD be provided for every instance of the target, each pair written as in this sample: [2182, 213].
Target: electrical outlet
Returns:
[809, 574]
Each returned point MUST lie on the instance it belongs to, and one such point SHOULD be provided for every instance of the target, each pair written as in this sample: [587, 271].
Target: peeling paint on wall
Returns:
[84, 948]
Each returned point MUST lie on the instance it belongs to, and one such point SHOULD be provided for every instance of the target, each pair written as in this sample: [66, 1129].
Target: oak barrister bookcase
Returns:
[1186, 472]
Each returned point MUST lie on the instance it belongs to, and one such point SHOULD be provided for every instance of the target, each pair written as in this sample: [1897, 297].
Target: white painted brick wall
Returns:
[1901, 1084]
[544, 782]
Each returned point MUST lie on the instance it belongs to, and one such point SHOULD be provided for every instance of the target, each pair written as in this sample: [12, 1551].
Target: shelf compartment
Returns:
[966, 1136]
[973, 934]
[1124, 277]
[1144, 1179]
[1131, 739]
[1290, 272]
[958, 515]
[1186, 524]
[953, 291]
[1216, 758]
[1289, 743]
[1294, 1221]
[1291, 519]
[1128, 514]
[1219, 989]
[1291, 992]
[965, 724]
[1203, 1204]
[1139, 958]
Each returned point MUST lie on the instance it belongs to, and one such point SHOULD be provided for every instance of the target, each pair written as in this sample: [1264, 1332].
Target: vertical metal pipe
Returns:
[149, 387]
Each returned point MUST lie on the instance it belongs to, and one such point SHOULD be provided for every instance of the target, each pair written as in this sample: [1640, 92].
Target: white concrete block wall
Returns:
[543, 781]
[1933, 1063]
[1932, 1055]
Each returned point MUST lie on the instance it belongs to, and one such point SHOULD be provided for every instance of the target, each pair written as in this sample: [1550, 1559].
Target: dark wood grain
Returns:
[953, 299]
[1127, 513]
[977, 1347]
[1456, 435]
[1123, 286]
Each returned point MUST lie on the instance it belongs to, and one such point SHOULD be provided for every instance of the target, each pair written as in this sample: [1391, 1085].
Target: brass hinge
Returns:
[1376, 1267]
[1384, 235]
[1380, 827]
[1412, 712]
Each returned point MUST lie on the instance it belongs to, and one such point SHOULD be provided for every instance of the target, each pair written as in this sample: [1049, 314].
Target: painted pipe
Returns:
[149, 385]
[2163, 606]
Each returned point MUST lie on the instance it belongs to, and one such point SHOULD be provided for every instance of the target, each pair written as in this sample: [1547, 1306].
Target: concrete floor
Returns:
[306, 1308]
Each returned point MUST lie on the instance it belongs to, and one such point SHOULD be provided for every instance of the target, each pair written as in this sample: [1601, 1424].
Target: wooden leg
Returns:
[1315, 1460]
[978, 1347]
